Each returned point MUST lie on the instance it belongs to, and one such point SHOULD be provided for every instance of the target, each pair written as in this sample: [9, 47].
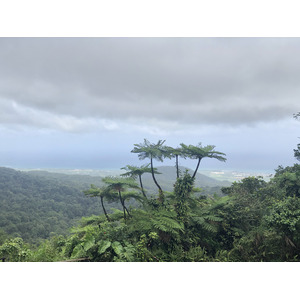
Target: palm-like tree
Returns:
[119, 185]
[132, 195]
[152, 151]
[176, 152]
[99, 192]
[137, 172]
[199, 152]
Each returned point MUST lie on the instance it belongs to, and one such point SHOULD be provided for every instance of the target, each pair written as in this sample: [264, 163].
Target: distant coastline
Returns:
[224, 174]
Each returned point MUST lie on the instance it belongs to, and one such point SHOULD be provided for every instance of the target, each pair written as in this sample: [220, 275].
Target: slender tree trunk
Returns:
[140, 177]
[104, 210]
[124, 207]
[197, 168]
[161, 195]
[121, 200]
[154, 179]
[177, 169]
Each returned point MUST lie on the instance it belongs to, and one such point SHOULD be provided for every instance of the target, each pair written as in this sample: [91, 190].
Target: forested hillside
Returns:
[33, 205]
[36, 204]
[255, 220]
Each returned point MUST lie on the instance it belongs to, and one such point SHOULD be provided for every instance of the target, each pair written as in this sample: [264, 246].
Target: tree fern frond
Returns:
[160, 226]
[205, 224]
[198, 219]
[213, 218]
[84, 229]
[210, 227]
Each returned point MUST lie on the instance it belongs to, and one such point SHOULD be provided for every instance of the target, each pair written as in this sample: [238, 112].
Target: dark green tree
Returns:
[120, 185]
[99, 192]
[199, 152]
[137, 172]
[297, 151]
[287, 181]
[176, 152]
[152, 151]
[15, 250]
[182, 192]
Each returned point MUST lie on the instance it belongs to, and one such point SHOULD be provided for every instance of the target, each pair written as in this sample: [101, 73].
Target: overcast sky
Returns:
[84, 102]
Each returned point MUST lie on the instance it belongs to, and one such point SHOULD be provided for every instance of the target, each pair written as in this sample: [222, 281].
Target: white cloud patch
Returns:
[18, 116]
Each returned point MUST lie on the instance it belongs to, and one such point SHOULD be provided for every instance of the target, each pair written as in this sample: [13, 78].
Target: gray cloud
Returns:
[186, 80]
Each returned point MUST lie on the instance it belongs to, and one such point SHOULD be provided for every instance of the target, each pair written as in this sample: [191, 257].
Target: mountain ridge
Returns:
[168, 178]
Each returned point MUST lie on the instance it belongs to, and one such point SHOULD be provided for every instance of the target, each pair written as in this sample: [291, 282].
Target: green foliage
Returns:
[119, 184]
[3, 236]
[199, 152]
[182, 191]
[103, 245]
[15, 250]
[257, 246]
[255, 221]
[34, 205]
[50, 250]
[285, 215]
[297, 151]
[247, 204]
[134, 172]
[196, 254]
[151, 150]
[288, 180]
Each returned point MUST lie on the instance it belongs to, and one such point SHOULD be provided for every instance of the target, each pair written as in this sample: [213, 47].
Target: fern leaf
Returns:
[213, 218]
[118, 248]
[209, 227]
[88, 244]
[103, 246]
[199, 220]
[129, 252]
[78, 251]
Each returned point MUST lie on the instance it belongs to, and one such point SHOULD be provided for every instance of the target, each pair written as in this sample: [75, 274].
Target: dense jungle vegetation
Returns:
[35, 205]
[254, 221]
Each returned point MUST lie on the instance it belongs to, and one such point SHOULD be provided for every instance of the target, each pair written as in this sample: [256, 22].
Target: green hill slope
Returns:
[168, 178]
[34, 204]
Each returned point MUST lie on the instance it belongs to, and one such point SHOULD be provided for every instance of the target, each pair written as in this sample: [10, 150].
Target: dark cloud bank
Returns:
[188, 80]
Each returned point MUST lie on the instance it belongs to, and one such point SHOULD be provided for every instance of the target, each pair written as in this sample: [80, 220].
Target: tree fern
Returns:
[206, 223]
[167, 224]
[123, 253]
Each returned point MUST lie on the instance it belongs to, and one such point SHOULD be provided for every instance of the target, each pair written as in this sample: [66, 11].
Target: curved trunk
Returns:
[197, 168]
[104, 210]
[140, 177]
[160, 191]
[154, 179]
[123, 205]
[126, 210]
[121, 200]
